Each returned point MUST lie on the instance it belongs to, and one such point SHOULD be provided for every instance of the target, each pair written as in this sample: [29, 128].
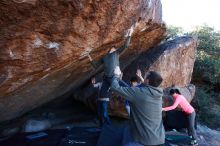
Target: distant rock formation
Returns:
[43, 44]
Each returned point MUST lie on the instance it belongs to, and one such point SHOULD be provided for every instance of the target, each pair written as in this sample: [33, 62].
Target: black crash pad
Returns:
[111, 136]
[46, 138]
[81, 136]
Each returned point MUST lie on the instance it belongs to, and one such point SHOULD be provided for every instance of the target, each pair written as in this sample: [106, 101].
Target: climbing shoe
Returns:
[193, 143]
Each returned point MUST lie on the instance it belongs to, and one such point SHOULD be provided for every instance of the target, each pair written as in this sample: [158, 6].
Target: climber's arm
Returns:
[176, 103]
[95, 64]
[139, 75]
[125, 46]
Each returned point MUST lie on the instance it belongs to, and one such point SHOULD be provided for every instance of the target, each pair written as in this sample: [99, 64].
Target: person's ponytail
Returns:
[172, 91]
[177, 91]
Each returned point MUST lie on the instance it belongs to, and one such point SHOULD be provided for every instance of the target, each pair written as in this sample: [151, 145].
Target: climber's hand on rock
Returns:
[93, 80]
[90, 58]
[131, 30]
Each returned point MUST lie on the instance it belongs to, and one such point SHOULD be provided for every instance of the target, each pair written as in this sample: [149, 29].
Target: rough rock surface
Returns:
[43, 43]
[174, 60]
[36, 125]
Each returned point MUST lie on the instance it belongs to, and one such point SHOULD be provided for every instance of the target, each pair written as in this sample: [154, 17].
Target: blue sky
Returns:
[190, 13]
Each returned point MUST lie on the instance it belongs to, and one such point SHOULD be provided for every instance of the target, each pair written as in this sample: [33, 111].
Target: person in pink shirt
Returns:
[188, 109]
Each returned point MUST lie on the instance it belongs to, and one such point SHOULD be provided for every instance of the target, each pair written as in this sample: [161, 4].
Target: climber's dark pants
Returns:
[191, 124]
[106, 84]
[103, 113]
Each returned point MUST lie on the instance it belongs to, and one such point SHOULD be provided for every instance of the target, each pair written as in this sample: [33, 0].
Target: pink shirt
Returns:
[184, 104]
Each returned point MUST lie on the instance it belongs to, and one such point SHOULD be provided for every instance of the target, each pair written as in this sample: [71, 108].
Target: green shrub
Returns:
[173, 32]
[202, 97]
[207, 68]
[208, 111]
[207, 65]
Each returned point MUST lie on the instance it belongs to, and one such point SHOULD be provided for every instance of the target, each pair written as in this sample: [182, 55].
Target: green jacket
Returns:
[146, 112]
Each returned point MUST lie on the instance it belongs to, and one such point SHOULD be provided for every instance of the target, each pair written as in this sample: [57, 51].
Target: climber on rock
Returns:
[110, 62]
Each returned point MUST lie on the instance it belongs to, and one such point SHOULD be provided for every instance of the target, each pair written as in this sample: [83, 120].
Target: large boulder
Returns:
[43, 45]
[174, 60]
